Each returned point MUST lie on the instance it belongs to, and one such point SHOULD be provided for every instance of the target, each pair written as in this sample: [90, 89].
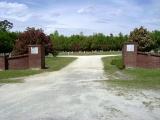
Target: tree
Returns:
[56, 34]
[155, 35]
[5, 25]
[32, 36]
[143, 38]
[7, 38]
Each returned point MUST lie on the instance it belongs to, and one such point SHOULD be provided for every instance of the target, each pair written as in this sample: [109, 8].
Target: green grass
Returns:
[136, 84]
[118, 63]
[10, 81]
[57, 63]
[17, 73]
[91, 53]
[53, 64]
[108, 67]
[138, 78]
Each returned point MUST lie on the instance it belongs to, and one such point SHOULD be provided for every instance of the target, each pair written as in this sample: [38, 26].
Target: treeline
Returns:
[147, 40]
[80, 42]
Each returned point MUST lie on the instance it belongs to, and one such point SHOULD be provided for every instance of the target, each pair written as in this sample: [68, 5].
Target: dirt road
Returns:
[76, 93]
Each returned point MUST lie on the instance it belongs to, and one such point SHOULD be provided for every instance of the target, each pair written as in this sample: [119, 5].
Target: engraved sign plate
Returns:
[130, 48]
[34, 50]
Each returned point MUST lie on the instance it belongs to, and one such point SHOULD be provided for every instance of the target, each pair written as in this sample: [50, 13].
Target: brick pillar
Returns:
[130, 54]
[36, 56]
[3, 63]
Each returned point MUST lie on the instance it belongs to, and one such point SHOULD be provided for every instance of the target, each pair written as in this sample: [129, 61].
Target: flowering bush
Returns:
[32, 36]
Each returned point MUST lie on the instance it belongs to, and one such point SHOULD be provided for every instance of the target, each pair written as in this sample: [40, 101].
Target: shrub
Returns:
[118, 63]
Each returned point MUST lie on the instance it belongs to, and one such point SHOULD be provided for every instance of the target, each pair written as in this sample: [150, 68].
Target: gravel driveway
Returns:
[76, 93]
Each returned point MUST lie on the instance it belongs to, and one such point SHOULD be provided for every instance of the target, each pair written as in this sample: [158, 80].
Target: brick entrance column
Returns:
[130, 54]
[36, 56]
[3, 63]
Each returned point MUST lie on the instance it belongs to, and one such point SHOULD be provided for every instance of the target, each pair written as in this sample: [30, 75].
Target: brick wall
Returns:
[145, 60]
[34, 59]
[3, 63]
[18, 62]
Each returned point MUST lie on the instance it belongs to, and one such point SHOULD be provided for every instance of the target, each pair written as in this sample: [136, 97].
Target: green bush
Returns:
[118, 63]
[55, 53]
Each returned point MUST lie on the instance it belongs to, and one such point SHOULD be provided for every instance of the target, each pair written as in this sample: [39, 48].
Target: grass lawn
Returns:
[91, 53]
[57, 63]
[138, 77]
[53, 64]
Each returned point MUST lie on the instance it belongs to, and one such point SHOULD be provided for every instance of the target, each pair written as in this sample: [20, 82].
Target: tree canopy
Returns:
[55, 42]
[32, 36]
[7, 41]
[143, 38]
[155, 35]
[7, 38]
[5, 25]
[80, 42]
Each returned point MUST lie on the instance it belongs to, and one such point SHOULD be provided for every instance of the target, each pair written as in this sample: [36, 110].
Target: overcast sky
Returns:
[87, 16]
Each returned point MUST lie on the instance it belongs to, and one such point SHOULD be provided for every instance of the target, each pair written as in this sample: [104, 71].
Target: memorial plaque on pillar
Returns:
[34, 50]
[130, 48]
